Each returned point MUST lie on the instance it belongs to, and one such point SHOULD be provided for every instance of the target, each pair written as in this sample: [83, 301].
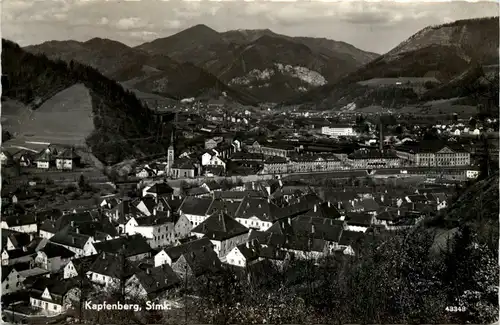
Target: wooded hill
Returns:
[123, 125]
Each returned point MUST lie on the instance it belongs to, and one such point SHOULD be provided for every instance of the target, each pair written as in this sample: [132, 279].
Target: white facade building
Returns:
[338, 131]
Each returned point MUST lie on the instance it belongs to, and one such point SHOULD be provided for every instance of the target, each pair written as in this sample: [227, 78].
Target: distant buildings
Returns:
[434, 154]
[338, 131]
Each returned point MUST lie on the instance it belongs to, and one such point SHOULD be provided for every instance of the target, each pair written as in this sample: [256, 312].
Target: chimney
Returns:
[77, 230]
[73, 240]
[338, 205]
[25, 249]
[157, 283]
[247, 245]
[103, 255]
[72, 223]
[168, 213]
[382, 198]
[290, 221]
[313, 229]
[148, 271]
[315, 208]
[268, 200]
[328, 203]
[154, 211]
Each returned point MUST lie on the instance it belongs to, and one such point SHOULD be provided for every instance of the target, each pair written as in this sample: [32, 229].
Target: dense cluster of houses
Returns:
[154, 241]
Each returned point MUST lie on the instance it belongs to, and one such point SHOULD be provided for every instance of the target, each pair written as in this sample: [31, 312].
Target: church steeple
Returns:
[170, 154]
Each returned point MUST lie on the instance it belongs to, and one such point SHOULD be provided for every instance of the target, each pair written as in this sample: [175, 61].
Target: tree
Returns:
[81, 182]
[471, 277]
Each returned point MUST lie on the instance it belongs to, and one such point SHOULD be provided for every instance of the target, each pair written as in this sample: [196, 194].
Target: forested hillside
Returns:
[122, 123]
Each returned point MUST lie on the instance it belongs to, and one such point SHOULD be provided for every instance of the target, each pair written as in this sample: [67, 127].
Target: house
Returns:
[50, 226]
[210, 144]
[195, 209]
[170, 255]
[6, 158]
[26, 223]
[224, 232]
[185, 168]
[68, 159]
[11, 280]
[145, 172]
[80, 244]
[14, 239]
[256, 213]
[26, 158]
[78, 267]
[46, 158]
[350, 241]
[253, 252]
[197, 263]
[54, 296]
[157, 229]
[134, 248]
[359, 221]
[17, 256]
[108, 270]
[152, 283]
[53, 257]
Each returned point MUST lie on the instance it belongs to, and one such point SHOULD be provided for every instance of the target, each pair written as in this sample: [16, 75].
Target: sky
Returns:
[375, 26]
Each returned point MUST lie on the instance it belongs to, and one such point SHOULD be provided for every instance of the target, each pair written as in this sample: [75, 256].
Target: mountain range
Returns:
[249, 66]
[255, 66]
[457, 55]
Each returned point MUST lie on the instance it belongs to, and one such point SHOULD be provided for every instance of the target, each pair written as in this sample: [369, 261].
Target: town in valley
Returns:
[128, 199]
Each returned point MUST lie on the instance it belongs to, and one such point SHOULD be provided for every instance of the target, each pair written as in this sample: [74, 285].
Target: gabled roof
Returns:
[113, 266]
[158, 279]
[220, 227]
[202, 261]
[253, 250]
[6, 271]
[257, 207]
[359, 219]
[236, 195]
[18, 239]
[131, 245]
[68, 154]
[69, 238]
[175, 252]
[196, 206]
[53, 250]
[161, 189]
[84, 263]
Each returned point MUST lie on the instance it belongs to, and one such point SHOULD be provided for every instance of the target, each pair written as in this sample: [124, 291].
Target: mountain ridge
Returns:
[444, 51]
[140, 70]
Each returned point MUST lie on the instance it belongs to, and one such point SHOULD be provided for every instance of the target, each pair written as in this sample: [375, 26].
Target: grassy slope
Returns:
[118, 115]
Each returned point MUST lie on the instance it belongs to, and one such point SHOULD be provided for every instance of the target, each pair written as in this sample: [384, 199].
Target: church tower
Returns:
[170, 155]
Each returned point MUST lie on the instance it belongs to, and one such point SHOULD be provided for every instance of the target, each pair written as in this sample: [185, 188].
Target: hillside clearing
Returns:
[65, 118]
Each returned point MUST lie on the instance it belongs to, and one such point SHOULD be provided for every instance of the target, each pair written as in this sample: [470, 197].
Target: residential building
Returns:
[224, 232]
[68, 159]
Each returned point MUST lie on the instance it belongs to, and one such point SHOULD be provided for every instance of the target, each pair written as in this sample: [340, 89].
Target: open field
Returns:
[66, 118]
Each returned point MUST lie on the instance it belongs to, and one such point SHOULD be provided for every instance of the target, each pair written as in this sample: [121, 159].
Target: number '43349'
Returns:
[455, 309]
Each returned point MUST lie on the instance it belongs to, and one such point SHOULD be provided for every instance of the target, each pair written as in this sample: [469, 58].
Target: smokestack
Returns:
[381, 144]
